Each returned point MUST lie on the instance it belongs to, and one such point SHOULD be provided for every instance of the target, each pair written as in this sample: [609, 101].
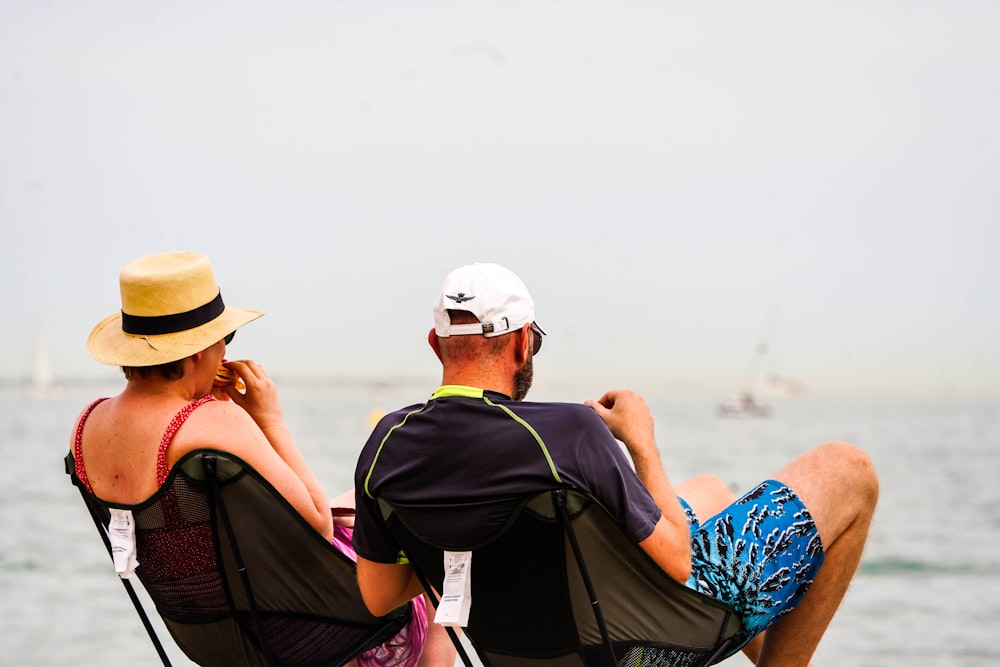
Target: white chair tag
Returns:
[456, 598]
[121, 531]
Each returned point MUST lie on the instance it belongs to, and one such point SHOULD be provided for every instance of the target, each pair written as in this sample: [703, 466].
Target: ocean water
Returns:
[927, 593]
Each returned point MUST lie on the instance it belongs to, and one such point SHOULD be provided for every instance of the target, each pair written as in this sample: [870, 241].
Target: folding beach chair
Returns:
[555, 582]
[238, 576]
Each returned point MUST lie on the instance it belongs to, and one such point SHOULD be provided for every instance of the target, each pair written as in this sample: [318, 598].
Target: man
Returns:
[477, 437]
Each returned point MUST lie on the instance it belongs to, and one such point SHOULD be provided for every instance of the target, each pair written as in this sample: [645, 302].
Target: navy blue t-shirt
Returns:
[466, 445]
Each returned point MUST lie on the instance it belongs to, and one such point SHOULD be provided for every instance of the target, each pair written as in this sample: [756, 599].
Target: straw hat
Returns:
[171, 309]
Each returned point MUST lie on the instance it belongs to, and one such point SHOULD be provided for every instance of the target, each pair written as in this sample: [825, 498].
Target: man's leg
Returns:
[708, 495]
[838, 484]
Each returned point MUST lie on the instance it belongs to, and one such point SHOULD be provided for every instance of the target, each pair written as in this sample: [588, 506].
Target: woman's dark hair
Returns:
[173, 370]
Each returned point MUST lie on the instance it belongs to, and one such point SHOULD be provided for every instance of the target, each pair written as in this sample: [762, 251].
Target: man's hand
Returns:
[628, 418]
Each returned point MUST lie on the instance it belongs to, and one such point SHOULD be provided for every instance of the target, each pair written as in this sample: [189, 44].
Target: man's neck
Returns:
[486, 381]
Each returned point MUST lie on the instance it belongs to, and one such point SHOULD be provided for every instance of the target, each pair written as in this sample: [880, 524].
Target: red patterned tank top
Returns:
[162, 470]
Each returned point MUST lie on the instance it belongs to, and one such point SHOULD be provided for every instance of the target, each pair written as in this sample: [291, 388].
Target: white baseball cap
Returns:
[494, 294]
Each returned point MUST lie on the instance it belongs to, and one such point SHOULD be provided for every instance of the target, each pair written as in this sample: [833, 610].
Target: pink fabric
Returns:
[404, 649]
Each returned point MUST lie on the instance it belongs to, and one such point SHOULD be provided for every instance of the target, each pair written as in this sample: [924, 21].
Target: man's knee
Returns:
[710, 485]
[854, 466]
[706, 494]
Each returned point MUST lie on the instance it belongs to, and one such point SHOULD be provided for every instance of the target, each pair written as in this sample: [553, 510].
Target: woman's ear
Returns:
[432, 340]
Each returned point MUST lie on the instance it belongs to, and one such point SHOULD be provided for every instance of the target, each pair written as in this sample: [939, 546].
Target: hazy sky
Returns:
[675, 182]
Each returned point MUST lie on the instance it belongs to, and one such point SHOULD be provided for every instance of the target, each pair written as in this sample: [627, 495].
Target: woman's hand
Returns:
[260, 399]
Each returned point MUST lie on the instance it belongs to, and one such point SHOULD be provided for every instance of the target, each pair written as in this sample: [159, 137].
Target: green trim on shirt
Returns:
[475, 392]
[457, 390]
[371, 468]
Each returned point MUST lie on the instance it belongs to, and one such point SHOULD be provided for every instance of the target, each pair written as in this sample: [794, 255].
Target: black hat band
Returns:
[142, 325]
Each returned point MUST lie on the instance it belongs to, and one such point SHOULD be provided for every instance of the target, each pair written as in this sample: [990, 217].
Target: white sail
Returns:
[43, 385]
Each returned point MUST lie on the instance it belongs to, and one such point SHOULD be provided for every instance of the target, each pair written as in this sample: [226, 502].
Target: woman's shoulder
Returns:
[215, 415]
[213, 424]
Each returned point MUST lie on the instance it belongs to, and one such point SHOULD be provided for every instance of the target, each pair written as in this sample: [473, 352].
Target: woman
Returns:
[170, 339]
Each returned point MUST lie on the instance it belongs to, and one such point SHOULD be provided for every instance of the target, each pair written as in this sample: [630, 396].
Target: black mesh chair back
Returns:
[559, 584]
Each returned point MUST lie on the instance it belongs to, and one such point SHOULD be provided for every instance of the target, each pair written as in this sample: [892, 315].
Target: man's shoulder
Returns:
[558, 407]
[569, 413]
[382, 423]
[394, 417]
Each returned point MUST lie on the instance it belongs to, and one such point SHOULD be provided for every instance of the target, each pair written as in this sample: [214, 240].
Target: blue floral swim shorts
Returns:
[759, 555]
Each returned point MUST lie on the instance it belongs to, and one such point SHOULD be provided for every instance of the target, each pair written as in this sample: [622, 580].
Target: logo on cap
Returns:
[460, 297]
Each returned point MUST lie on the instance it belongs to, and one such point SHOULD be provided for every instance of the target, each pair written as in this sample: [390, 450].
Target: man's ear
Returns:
[432, 340]
[523, 347]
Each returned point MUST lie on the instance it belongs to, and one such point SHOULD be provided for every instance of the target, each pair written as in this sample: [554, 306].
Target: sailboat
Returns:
[745, 404]
[43, 385]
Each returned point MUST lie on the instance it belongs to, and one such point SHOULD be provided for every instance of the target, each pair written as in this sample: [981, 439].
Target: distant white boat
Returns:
[747, 402]
[743, 405]
[43, 384]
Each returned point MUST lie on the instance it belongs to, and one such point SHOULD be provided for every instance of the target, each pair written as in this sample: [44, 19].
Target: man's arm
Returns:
[386, 586]
[628, 418]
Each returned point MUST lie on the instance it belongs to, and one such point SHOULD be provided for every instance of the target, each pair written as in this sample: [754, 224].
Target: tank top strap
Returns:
[80, 471]
[162, 470]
